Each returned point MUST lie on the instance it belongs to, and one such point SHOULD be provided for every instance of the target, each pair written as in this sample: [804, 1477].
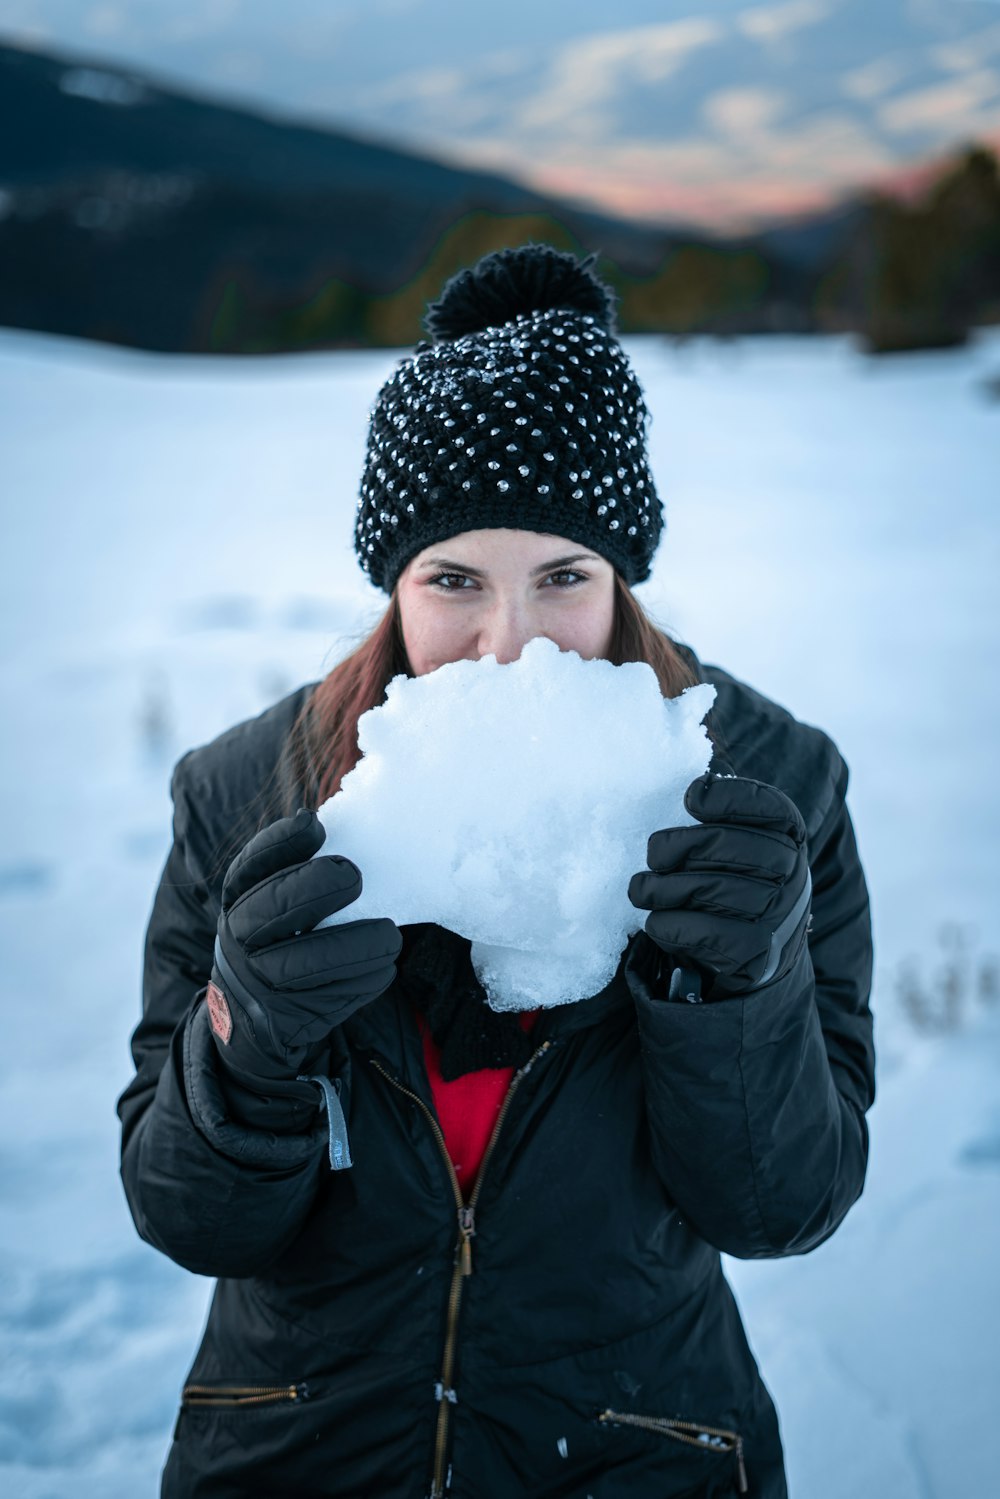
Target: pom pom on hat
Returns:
[513, 283]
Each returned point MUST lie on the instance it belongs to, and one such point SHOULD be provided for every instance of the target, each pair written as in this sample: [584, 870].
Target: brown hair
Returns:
[323, 743]
[636, 638]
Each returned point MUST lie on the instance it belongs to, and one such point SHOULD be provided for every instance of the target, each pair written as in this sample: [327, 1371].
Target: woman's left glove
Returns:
[729, 896]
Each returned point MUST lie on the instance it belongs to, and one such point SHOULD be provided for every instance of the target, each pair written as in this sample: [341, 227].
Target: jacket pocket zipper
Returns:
[693, 1433]
[234, 1396]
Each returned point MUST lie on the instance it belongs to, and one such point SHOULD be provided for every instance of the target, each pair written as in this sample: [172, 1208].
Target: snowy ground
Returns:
[178, 553]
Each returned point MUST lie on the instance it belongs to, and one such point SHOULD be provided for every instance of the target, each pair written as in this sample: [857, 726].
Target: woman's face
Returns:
[487, 593]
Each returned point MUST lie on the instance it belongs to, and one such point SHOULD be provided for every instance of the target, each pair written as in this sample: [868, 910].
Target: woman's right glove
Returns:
[279, 986]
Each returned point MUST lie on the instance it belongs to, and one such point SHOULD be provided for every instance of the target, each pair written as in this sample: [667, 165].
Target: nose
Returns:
[505, 631]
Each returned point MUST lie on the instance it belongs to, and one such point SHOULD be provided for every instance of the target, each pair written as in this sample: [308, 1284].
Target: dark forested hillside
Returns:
[140, 215]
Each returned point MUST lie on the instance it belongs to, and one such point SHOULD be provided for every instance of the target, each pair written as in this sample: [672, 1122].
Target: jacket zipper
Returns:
[232, 1395]
[716, 1438]
[463, 1256]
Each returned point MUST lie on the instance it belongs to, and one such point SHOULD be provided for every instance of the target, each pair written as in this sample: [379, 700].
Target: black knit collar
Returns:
[436, 962]
[436, 974]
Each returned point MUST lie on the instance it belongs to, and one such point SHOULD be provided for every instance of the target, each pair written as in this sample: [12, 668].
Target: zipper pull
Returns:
[742, 1486]
[467, 1228]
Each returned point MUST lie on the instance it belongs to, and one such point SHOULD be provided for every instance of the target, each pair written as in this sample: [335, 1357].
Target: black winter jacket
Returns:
[568, 1332]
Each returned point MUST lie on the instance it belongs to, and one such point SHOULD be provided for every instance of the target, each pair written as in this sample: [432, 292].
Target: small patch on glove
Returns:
[219, 1013]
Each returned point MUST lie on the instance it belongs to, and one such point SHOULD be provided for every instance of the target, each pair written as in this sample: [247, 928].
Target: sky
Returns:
[724, 112]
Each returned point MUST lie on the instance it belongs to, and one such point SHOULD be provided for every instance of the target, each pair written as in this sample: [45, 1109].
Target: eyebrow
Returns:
[447, 565]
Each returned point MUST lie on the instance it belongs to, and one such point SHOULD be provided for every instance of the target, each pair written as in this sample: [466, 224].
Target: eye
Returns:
[451, 582]
[566, 577]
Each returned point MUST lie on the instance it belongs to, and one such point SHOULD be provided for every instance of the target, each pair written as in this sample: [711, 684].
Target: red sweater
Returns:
[467, 1108]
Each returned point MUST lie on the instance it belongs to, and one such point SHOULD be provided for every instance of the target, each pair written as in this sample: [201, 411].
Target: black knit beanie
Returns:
[523, 413]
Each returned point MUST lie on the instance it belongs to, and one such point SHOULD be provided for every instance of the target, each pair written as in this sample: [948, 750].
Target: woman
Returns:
[460, 1252]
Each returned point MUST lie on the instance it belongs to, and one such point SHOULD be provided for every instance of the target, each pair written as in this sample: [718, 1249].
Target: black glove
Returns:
[278, 986]
[730, 896]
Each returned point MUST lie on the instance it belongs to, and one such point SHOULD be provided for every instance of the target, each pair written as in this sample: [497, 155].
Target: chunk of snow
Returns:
[512, 803]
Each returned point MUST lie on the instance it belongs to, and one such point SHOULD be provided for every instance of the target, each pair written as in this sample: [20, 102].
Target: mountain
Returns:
[140, 215]
[132, 213]
[724, 112]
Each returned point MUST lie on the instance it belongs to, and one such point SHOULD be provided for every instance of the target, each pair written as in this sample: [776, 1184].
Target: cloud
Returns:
[792, 169]
[598, 116]
[772, 23]
[317, 38]
[427, 86]
[507, 63]
[209, 18]
[875, 78]
[692, 179]
[593, 70]
[970, 53]
[743, 111]
[106, 20]
[569, 98]
[942, 106]
[443, 104]
[636, 178]
[828, 148]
